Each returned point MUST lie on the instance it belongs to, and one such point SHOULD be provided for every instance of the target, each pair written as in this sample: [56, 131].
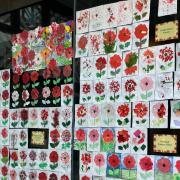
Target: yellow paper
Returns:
[38, 138]
[167, 31]
[165, 143]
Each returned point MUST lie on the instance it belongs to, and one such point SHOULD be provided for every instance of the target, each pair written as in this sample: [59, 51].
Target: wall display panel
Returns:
[141, 59]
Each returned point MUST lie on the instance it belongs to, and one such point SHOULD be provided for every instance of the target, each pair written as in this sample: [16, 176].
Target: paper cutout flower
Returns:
[146, 163]
[178, 165]
[130, 86]
[114, 88]
[100, 66]
[114, 161]
[164, 165]
[42, 176]
[99, 160]
[129, 162]
[115, 63]
[108, 136]
[141, 32]
[67, 93]
[109, 39]
[140, 110]
[80, 135]
[94, 135]
[54, 135]
[124, 37]
[81, 114]
[131, 63]
[53, 157]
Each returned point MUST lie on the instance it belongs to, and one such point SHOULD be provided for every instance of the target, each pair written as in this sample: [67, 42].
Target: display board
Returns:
[126, 116]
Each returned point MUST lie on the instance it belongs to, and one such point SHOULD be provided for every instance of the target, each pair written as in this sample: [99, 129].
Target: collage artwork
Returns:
[126, 87]
[36, 106]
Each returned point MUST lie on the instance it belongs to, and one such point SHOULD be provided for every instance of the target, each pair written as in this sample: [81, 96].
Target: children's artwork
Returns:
[122, 140]
[114, 65]
[44, 117]
[100, 67]
[99, 164]
[97, 18]
[87, 68]
[85, 177]
[163, 167]
[22, 158]
[93, 139]
[53, 160]
[145, 167]
[124, 16]
[85, 162]
[167, 7]
[164, 86]
[123, 115]
[109, 40]
[141, 10]
[80, 142]
[23, 138]
[65, 139]
[65, 161]
[114, 86]
[96, 43]
[177, 56]
[43, 159]
[139, 141]
[54, 138]
[13, 137]
[66, 117]
[146, 87]
[4, 115]
[128, 166]
[81, 115]
[124, 38]
[100, 91]
[86, 91]
[14, 159]
[176, 85]
[32, 158]
[94, 111]
[113, 165]
[159, 114]
[165, 61]
[130, 89]
[82, 21]
[107, 115]
[33, 117]
[4, 135]
[140, 35]
[82, 41]
[107, 140]
[67, 95]
[141, 114]
[147, 61]
[130, 63]
[175, 114]
[176, 168]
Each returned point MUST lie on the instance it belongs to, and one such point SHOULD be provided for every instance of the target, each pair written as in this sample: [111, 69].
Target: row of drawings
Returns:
[127, 166]
[60, 117]
[112, 15]
[119, 140]
[151, 60]
[119, 39]
[45, 87]
[34, 49]
[139, 114]
[130, 89]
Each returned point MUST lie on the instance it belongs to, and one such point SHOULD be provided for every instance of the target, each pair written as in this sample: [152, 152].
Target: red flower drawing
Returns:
[166, 54]
[129, 162]
[115, 61]
[60, 50]
[67, 91]
[146, 164]
[85, 178]
[52, 64]
[53, 157]
[25, 78]
[4, 152]
[123, 110]
[4, 133]
[56, 72]
[54, 134]
[114, 86]
[178, 165]
[114, 161]
[34, 76]
[94, 135]
[15, 78]
[100, 63]
[64, 177]
[4, 171]
[42, 176]
[141, 31]
[82, 42]
[140, 110]
[124, 34]
[86, 88]
[34, 94]
[67, 70]
[46, 73]
[66, 135]
[99, 87]
[139, 5]
[81, 111]
[14, 156]
[24, 114]
[5, 76]
[108, 136]
[5, 95]
[56, 92]
[99, 160]
[130, 85]
[5, 113]
[109, 37]
[80, 135]
[69, 52]
[86, 159]
[164, 165]
[123, 136]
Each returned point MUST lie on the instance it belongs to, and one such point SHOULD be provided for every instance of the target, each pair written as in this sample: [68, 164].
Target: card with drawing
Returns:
[158, 114]
[147, 61]
[176, 167]
[177, 85]
[177, 56]
[82, 21]
[124, 38]
[123, 114]
[175, 114]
